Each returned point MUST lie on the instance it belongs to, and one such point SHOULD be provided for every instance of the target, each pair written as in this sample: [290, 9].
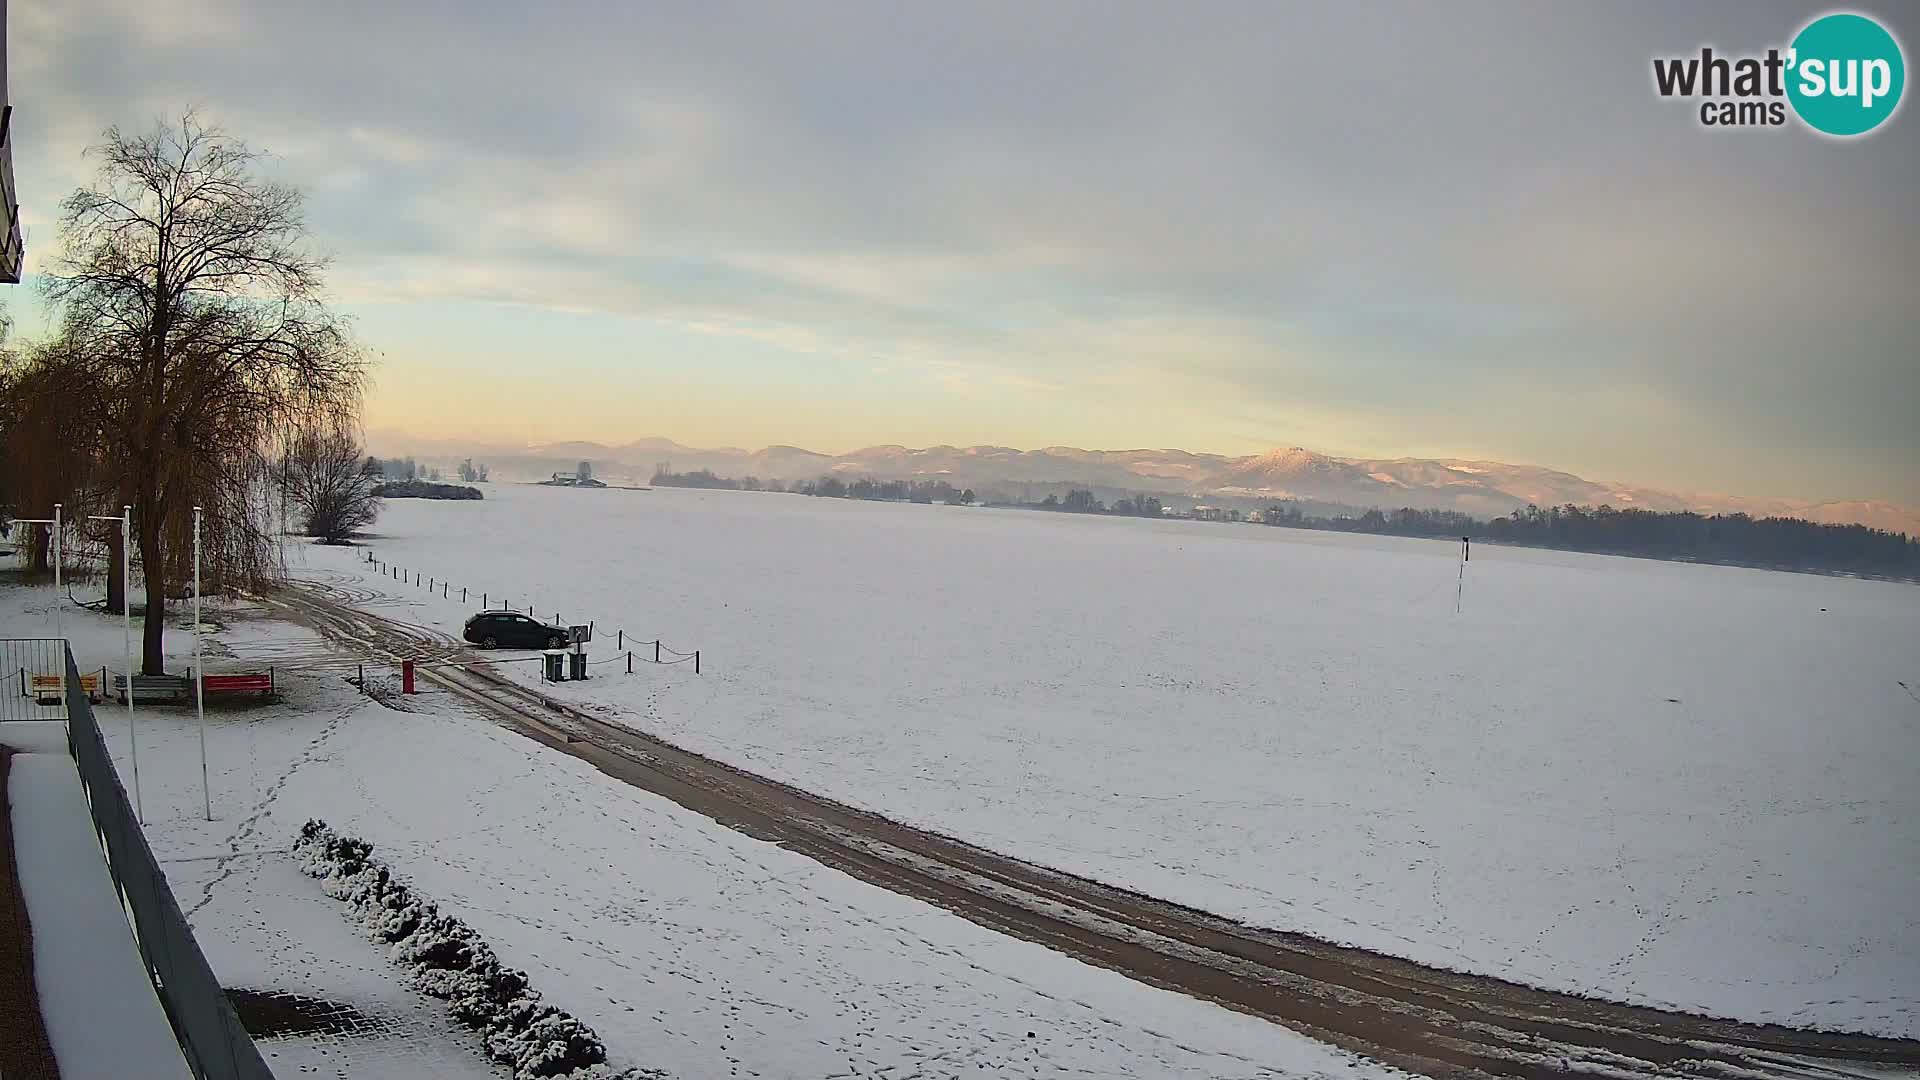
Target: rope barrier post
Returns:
[656, 650]
[363, 678]
[483, 599]
[619, 639]
[629, 661]
[696, 661]
[463, 594]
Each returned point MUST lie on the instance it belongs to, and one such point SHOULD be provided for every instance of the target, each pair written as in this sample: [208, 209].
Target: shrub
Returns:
[444, 958]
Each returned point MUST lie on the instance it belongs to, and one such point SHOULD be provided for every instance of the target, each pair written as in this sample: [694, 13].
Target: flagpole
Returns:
[200, 676]
[125, 518]
[60, 596]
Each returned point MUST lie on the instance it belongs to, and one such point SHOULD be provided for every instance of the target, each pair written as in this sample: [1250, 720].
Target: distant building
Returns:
[567, 479]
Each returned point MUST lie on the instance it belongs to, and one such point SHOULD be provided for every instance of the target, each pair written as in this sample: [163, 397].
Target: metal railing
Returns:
[33, 679]
[210, 1034]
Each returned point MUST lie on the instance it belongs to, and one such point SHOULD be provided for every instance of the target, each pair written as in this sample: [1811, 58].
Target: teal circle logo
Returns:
[1845, 74]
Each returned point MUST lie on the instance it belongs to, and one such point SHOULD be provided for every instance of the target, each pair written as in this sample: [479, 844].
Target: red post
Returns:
[406, 676]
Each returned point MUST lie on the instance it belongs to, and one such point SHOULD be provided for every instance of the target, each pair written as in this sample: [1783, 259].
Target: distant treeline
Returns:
[1739, 539]
[422, 489]
[832, 487]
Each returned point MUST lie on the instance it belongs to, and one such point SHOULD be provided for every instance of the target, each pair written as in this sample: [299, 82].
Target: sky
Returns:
[1370, 229]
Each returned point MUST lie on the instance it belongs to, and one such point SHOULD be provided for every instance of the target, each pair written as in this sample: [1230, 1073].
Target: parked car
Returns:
[512, 630]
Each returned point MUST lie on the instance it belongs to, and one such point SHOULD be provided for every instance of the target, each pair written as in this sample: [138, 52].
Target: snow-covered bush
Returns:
[444, 958]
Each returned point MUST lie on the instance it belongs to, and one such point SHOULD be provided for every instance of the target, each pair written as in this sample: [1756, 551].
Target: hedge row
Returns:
[445, 958]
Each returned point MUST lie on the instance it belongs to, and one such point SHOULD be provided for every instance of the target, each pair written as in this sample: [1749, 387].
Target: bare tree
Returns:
[192, 304]
[327, 482]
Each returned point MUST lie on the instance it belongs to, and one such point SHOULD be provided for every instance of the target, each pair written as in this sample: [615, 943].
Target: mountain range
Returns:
[1330, 484]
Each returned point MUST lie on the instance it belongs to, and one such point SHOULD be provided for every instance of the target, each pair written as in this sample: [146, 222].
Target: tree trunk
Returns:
[116, 580]
[153, 658]
[42, 542]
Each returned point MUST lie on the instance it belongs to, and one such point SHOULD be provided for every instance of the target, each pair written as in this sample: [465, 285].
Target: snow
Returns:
[35, 736]
[100, 1010]
[1678, 785]
[687, 946]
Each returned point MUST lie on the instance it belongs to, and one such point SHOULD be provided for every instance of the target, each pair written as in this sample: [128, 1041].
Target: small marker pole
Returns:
[1461, 584]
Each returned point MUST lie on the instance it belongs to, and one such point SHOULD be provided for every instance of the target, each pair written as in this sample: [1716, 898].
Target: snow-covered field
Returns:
[687, 946]
[1680, 785]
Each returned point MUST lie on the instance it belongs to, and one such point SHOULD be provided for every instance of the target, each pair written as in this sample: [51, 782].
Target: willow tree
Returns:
[49, 447]
[192, 309]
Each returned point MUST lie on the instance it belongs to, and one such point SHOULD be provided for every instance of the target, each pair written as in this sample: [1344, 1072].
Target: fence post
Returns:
[363, 678]
[656, 650]
[696, 661]
[443, 590]
[629, 661]
[463, 594]
[483, 599]
[619, 639]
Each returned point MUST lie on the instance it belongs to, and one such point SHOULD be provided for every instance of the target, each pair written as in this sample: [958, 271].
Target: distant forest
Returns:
[425, 489]
[1735, 539]
[1738, 539]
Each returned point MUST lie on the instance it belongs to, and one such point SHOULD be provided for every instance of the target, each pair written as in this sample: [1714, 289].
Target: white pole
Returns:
[200, 676]
[126, 610]
[60, 595]
[125, 519]
[1460, 583]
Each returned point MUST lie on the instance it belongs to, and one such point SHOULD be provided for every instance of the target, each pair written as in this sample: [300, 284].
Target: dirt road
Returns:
[1421, 1019]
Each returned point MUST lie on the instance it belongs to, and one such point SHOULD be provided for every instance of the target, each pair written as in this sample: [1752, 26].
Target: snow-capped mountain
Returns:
[1481, 488]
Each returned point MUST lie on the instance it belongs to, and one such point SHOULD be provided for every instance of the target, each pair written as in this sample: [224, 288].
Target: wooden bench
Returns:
[52, 689]
[171, 689]
[238, 683]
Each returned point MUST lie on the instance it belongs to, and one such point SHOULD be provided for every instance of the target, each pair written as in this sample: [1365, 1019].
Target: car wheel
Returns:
[489, 642]
[555, 642]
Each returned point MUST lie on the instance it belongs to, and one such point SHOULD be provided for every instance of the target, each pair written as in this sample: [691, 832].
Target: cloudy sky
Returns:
[1370, 229]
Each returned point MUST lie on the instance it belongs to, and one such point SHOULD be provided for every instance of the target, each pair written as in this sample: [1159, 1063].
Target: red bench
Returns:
[238, 683]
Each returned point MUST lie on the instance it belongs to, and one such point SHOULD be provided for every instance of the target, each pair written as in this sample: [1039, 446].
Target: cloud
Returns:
[1392, 226]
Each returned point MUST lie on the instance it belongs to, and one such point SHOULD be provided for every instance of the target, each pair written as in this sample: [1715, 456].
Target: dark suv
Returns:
[512, 630]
